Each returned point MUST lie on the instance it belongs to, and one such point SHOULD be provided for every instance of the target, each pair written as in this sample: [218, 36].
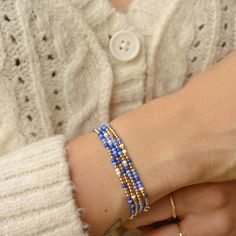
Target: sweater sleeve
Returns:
[36, 192]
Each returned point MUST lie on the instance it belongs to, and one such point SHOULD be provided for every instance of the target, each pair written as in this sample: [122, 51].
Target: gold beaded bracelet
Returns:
[124, 168]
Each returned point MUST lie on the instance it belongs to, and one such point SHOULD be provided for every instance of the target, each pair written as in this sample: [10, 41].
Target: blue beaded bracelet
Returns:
[136, 195]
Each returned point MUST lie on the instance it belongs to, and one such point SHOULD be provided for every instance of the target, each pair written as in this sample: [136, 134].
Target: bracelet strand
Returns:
[131, 184]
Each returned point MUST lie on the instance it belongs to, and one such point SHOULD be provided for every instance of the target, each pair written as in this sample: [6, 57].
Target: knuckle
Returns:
[219, 196]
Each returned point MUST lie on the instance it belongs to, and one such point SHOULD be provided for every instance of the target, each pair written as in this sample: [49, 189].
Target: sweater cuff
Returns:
[36, 192]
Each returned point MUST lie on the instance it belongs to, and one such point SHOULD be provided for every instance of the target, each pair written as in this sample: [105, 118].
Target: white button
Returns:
[124, 45]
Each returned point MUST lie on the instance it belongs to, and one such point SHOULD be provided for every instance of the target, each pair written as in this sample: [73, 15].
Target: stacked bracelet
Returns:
[123, 165]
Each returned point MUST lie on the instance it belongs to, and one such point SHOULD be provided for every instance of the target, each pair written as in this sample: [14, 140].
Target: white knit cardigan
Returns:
[58, 79]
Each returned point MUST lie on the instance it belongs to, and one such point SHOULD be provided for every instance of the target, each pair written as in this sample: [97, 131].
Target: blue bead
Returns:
[120, 153]
[119, 161]
[129, 161]
[127, 168]
[129, 198]
[123, 171]
[135, 187]
[138, 182]
[104, 127]
[124, 185]
[140, 185]
[129, 175]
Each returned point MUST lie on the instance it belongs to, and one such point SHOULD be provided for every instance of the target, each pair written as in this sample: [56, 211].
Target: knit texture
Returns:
[58, 79]
[35, 180]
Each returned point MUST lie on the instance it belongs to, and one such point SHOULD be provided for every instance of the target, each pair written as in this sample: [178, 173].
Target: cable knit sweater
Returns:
[59, 79]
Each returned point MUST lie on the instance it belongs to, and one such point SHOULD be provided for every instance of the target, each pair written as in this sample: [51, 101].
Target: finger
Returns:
[161, 211]
[170, 230]
[187, 200]
[197, 199]
[211, 224]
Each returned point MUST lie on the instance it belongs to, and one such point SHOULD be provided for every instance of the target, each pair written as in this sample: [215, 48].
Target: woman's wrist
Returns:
[97, 188]
[154, 135]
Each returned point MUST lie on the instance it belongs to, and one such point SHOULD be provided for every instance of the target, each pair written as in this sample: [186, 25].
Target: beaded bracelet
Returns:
[136, 195]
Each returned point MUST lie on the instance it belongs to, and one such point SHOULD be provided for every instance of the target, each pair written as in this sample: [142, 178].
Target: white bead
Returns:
[109, 141]
[125, 163]
[141, 188]
[124, 151]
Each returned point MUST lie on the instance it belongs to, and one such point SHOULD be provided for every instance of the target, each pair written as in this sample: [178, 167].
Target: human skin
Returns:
[121, 5]
[216, 211]
[175, 141]
[204, 209]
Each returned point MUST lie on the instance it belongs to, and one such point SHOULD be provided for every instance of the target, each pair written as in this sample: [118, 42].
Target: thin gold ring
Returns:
[180, 229]
[172, 202]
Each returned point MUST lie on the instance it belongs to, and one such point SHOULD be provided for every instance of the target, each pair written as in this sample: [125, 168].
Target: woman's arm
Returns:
[152, 141]
[182, 139]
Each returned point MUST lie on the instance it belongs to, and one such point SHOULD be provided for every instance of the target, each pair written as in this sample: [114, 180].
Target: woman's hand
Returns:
[206, 209]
